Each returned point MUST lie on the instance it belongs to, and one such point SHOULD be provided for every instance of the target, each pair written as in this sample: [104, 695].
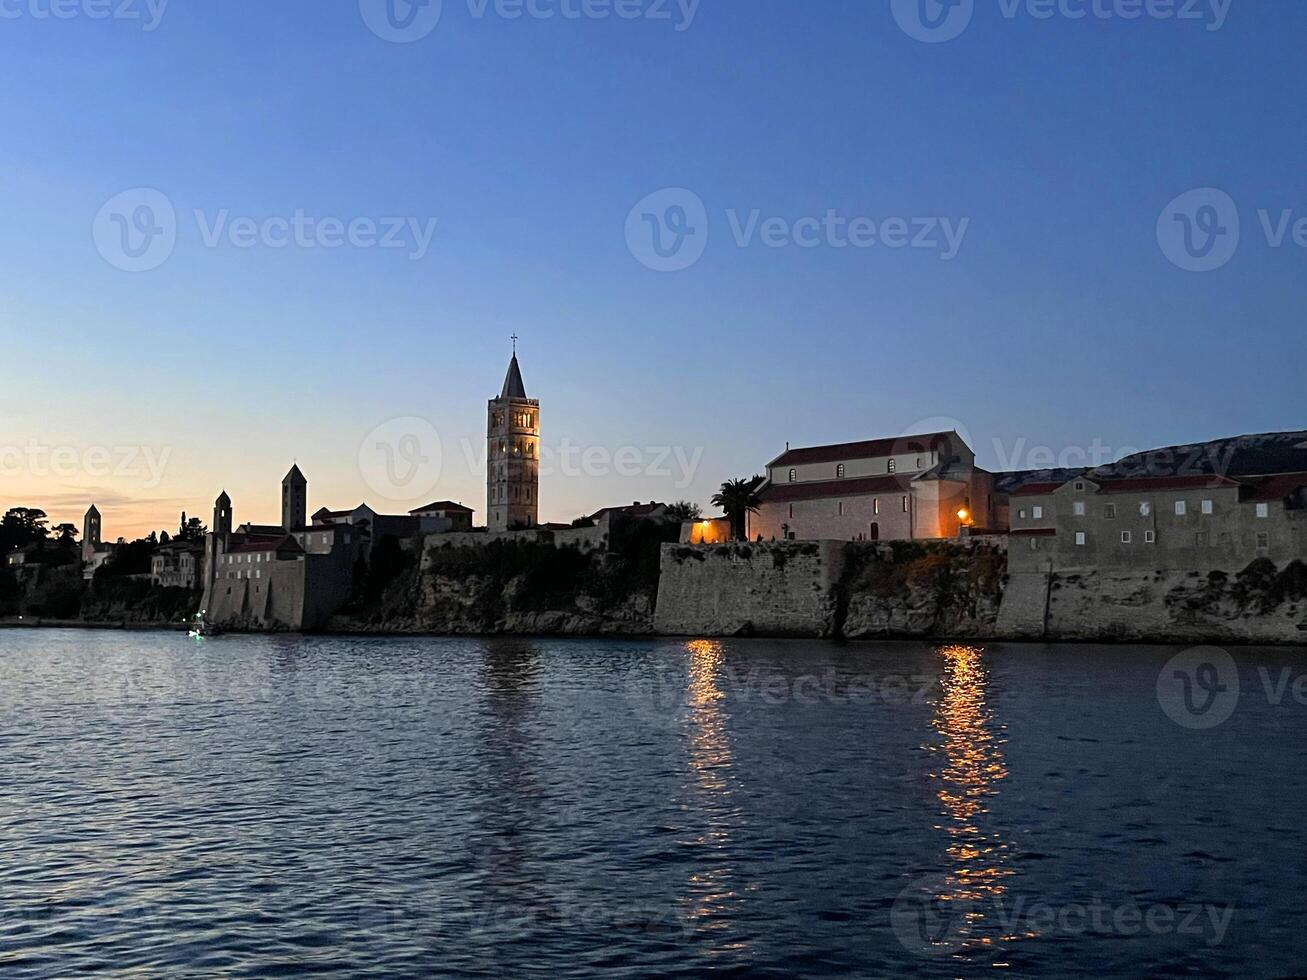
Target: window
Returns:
[1180, 508]
[1126, 537]
[892, 466]
[1038, 512]
[1263, 510]
[1022, 513]
[1034, 544]
[918, 462]
[1080, 537]
[905, 504]
[1078, 508]
[1145, 509]
[875, 506]
[1207, 507]
[1079, 485]
[1109, 511]
[839, 472]
[791, 511]
[841, 508]
[794, 475]
[1150, 537]
[1263, 540]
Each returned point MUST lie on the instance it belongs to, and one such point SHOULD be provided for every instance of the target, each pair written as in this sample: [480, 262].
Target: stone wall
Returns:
[1258, 604]
[774, 589]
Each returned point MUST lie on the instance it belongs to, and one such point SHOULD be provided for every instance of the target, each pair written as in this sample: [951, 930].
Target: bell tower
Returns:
[513, 455]
[294, 500]
[90, 533]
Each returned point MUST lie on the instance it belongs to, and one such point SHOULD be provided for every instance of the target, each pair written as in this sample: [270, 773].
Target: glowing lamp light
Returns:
[964, 514]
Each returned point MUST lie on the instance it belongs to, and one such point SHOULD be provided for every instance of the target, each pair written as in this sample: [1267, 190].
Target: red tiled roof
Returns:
[1277, 487]
[284, 543]
[781, 492]
[1139, 484]
[1035, 532]
[442, 505]
[1197, 481]
[863, 450]
[1031, 489]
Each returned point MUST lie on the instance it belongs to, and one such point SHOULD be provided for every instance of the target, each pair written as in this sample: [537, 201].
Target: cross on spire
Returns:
[514, 338]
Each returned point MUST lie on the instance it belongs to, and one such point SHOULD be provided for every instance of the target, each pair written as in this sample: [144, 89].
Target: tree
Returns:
[683, 510]
[66, 533]
[737, 499]
[22, 526]
[190, 529]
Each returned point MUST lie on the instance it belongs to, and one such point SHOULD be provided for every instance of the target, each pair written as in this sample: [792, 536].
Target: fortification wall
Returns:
[1178, 607]
[777, 589]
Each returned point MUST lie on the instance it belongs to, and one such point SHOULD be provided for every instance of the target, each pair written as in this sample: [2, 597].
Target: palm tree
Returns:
[683, 510]
[738, 499]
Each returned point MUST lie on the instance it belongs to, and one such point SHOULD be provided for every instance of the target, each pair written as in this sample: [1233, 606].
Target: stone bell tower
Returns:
[90, 533]
[294, 500]
[513, 455]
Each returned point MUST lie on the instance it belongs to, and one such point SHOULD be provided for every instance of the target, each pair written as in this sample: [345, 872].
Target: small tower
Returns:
[222, 518]
[294, 500]
[90, 533]
[513, 455]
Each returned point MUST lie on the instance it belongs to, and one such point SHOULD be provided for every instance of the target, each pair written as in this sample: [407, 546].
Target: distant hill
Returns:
[1247, 455]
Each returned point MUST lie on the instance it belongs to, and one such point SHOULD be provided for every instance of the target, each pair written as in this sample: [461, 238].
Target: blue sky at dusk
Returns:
[1059, 322]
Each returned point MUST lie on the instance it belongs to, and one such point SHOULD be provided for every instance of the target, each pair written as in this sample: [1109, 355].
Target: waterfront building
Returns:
[1188, 522]
[442, 516]
[286, 576]
[177, 565]
[917, 487]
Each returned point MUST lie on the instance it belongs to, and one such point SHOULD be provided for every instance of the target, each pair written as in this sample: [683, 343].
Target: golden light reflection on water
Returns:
[970, 771]
[712, 893]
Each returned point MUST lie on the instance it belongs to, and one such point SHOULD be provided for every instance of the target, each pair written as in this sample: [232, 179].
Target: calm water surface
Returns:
[262, 807]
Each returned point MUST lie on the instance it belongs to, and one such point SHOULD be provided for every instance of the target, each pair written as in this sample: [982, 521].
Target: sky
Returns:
[243, 235]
